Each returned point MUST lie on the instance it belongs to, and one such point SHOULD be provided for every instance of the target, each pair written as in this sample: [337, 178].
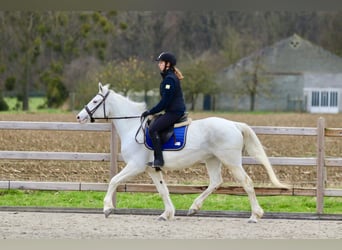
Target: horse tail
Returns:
[255, 149]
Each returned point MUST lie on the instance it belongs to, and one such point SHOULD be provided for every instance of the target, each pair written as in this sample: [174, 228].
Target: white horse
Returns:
[215, 141]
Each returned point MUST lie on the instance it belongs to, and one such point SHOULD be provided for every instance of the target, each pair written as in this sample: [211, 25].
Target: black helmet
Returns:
[167, 57]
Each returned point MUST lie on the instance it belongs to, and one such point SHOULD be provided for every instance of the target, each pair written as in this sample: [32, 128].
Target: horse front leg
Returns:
[213, 166]
[169, 209]
[125, 174]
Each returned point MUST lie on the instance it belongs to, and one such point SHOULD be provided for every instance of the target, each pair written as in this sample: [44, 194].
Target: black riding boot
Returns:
[158, 153]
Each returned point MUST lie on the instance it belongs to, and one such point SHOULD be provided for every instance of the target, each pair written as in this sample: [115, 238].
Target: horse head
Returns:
[96, 107]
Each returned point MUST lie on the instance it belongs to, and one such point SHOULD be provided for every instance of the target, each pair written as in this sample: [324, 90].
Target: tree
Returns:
[56, 92]
[74, 35]
[250, 79]
[3, 104]
[329, 34]
[233, 48]
[37, 41]
[131, 77]
[198, 79]
[128, 75]
[23, 34]
[253, 82]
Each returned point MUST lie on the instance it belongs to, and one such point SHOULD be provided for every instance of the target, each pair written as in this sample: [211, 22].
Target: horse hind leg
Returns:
[213, 166]
[241, 176]
[157, 178]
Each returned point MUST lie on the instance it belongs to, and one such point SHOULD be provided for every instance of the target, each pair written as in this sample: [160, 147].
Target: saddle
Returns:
[173, 138]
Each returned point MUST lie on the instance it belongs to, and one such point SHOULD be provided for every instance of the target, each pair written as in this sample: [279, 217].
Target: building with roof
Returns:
[292, 75]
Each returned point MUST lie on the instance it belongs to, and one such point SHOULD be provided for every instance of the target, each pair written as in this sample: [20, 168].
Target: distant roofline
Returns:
[261, 51]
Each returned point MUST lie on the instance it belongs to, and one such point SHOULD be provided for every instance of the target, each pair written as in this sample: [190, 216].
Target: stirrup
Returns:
[156, 167]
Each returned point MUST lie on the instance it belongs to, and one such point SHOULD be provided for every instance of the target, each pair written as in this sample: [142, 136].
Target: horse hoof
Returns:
[108, 212]
[252, 221]
[191, 212]
[161, 218]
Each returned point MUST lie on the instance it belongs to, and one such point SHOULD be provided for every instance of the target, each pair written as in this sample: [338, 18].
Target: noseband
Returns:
[91, 112]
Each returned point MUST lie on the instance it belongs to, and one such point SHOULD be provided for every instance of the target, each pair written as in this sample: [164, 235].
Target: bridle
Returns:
[104, 97]
[91, 112]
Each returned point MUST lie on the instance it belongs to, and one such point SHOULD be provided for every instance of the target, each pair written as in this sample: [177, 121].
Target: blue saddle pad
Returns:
[176, 141]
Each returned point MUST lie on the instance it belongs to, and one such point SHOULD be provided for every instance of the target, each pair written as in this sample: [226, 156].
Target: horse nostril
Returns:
[78, 117]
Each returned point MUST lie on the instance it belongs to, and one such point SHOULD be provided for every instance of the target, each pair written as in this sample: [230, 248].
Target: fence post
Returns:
[113, 157]
[320, 165]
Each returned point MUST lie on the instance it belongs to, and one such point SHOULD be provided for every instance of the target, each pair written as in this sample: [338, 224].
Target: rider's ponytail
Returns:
[178, 73]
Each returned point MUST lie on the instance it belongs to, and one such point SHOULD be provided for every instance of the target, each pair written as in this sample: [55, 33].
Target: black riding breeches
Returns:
[163, 122]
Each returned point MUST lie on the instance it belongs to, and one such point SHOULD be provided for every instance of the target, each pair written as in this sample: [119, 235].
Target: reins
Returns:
[142, 128]
[128, 117]
[116, 118]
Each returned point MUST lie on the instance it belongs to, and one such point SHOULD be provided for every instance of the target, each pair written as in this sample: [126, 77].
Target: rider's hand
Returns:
[146, 113]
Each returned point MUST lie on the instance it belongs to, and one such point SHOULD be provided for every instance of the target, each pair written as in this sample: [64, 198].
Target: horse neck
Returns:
[120, 106]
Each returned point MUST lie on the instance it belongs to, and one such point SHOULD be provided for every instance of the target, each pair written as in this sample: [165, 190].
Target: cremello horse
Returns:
[215, 141]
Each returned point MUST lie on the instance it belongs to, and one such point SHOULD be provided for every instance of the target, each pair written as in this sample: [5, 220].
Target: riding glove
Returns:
[146, 113]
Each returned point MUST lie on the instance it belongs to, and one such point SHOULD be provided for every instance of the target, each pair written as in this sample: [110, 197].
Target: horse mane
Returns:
[141, 106]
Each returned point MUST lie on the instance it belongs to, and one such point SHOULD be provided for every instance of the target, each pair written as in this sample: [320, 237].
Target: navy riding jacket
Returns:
[172, 100]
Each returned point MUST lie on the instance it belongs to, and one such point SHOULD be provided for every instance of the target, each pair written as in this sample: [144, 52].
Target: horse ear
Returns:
[100, 86]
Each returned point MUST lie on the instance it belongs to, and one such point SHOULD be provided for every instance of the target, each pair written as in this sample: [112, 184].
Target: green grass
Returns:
[35, 105]
[90, 199]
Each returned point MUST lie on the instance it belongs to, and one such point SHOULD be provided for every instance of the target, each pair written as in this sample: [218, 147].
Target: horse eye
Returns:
[95, 101]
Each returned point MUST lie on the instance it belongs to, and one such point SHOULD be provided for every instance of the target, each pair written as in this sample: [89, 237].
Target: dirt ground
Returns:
[28, 225]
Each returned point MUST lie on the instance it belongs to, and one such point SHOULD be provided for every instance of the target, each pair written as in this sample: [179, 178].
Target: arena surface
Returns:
[43, 225]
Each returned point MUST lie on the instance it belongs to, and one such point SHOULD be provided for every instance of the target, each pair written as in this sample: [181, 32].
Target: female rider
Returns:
[171, 102]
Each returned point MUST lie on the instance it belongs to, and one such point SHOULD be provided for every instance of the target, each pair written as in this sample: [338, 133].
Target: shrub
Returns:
[3, 104]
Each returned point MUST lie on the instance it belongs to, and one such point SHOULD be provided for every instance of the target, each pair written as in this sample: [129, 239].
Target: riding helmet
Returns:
[167, 57]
